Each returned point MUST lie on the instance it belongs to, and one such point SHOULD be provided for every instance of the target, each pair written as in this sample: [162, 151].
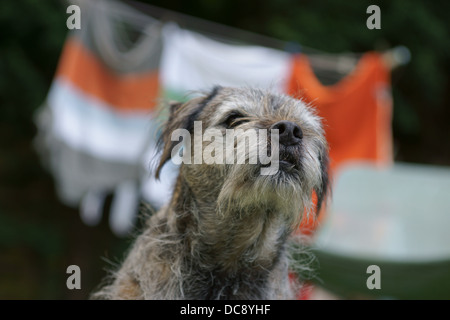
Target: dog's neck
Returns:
[229, 241]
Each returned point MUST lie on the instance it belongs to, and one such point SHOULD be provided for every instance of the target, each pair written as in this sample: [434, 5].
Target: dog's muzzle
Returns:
[290, 133]
[290, 143]
[290, 138]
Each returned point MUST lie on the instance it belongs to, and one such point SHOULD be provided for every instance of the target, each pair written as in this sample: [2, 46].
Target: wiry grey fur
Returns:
[226, 232]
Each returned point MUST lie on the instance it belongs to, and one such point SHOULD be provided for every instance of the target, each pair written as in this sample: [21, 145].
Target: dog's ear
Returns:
[323, 190]
[181, 116]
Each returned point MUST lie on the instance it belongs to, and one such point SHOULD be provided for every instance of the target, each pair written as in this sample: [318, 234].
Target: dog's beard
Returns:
[288, 190]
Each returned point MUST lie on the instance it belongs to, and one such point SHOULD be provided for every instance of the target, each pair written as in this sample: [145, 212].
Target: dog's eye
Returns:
[234, 119]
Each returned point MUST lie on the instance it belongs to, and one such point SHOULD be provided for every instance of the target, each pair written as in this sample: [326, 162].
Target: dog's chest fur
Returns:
[223, 256]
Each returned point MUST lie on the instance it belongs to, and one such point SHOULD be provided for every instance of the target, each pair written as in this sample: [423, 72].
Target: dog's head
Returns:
[254, 147]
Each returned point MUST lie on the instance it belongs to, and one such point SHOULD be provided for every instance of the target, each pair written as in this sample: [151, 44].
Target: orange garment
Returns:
[356, 112]
[123, 92]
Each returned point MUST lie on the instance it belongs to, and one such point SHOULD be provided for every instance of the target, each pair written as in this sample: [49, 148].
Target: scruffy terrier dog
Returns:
[226, 232]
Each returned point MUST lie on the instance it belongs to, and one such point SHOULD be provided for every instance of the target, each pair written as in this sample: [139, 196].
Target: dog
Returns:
[226, 232]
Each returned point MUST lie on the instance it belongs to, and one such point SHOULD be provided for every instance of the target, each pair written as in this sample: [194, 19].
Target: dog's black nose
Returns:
[289, 132]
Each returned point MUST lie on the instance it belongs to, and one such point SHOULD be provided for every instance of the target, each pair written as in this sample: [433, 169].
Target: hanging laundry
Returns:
[95, 126]
[356, 111]
[192, 62]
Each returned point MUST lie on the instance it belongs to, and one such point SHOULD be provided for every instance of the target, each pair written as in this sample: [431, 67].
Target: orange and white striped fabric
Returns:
[96, 126]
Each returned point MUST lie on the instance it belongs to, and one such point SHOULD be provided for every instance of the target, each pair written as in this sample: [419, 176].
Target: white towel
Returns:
[192, 62]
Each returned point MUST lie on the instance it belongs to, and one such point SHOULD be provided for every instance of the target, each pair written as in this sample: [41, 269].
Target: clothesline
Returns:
[395, 56]
[217, 31]
[330, 67]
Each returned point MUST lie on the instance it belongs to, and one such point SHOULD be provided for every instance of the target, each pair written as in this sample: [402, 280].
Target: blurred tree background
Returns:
[39, 237]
